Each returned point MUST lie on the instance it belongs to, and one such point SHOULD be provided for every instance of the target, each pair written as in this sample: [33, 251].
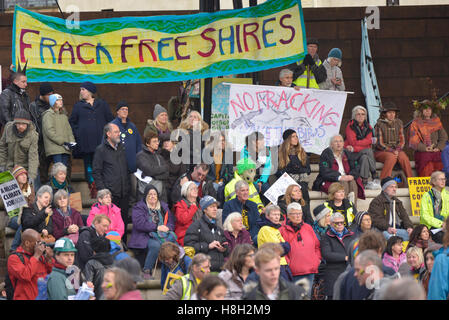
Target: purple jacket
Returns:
[142, 224]
[58, 222]
[243, 237]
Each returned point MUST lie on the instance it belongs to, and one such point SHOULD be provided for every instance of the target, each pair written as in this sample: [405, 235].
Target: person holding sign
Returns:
[435, 206]
[427, 136]
[293, 159]
[388, 212]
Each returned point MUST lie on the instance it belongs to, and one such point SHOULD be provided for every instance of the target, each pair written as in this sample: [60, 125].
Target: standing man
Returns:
[309, 72]
[88, 118]
[14, 97]
[18, 145]
[110, 170]
[37, 108]
[130, 137]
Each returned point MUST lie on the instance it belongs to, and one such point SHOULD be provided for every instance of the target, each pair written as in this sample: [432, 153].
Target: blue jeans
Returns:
[63, 157]
[88, 159]
[153, 252]
[399, 232]
[309, 277]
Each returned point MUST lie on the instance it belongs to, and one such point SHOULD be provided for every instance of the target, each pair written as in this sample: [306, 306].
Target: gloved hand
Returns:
[308, 60]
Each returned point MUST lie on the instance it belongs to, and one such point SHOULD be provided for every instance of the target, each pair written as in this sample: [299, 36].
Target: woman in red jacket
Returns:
[186, 210]
[305, 254]
[359, 139]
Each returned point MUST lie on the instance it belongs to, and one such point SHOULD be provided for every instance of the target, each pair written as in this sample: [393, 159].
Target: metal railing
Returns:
[8, 4]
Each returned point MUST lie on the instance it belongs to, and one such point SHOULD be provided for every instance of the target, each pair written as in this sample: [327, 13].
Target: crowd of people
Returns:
[209, 225]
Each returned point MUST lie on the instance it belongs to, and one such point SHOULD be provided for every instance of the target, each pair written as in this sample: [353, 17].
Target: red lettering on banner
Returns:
[251, 33]
[78, 53]
[252, 100]
[24, 45]
[211, 51]
[292, 98]
[143, 43]
[270, 96]
[235, 104]
[304, 104]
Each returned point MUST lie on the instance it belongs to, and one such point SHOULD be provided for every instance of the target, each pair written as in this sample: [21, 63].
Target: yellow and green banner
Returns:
[159, 48]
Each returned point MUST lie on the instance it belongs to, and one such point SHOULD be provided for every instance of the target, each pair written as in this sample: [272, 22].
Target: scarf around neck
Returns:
[361, 132]
[421, 130]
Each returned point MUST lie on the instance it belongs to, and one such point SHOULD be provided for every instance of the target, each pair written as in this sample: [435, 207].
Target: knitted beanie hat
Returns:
[335, 53]
[320, 212]
[122, 103]
[22, 116]
[158, 109]
[53, 98]
[386, 182]
[45, 88]
[359, 217]
[287, 133]
[18, 170]
[89, 86]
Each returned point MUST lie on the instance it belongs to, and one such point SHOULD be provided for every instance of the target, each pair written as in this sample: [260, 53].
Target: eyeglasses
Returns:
[339, 223]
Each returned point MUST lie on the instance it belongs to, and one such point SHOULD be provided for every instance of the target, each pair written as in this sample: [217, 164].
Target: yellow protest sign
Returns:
[417, 186]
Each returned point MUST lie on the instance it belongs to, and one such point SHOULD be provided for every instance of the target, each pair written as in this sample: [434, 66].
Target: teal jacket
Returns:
[56, 285]
[266, 171]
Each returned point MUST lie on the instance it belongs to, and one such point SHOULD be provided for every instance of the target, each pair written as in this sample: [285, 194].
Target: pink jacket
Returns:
[113, 212]
[131, 295]
[393, 263]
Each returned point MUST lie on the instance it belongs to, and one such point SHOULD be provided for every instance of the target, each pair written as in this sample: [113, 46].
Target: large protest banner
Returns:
[417, 186]
[159, 48]
[315, 115]
[10, 192]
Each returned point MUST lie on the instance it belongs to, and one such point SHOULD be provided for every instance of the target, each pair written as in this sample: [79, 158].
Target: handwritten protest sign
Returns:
[159, 48]
[10, 192]
[315, 115]
[279, 187]
[417, 186]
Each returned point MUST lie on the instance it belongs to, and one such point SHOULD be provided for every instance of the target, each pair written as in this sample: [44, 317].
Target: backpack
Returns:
[9, 287]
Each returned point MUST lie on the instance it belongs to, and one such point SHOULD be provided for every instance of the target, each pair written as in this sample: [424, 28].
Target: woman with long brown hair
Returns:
[294, 194]
[293, 160]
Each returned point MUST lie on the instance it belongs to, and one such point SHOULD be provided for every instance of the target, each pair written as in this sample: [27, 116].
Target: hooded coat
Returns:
[56, 130]
[111, 211]
[94, 270]
[23, 152]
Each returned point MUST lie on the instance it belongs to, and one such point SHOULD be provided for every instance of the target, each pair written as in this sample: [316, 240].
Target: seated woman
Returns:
[294, 194]
[221, 160]
[427, 137]
[420, 237]
[186, 210]
[339, 165]
[321, 220]
[58, 178]
[362, 223]
[21, 176]
[255, 150]
[338, 203]
[435, 205]
[415, 260]
[359, 140]
[393, 256]
[153, 224]
[106, 207]
[66, 221]
[173, 260]
[235, 232]
[269, 232]
[390, 143]
[294, 161]
[38, 216]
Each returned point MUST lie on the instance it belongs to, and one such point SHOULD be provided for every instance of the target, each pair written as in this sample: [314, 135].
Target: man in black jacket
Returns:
[37, 108]
[110, 170]
[14, 98]
[99, 227]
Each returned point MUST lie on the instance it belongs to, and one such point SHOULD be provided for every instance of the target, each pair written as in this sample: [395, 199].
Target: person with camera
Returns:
[205, 236]
[32, 260]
